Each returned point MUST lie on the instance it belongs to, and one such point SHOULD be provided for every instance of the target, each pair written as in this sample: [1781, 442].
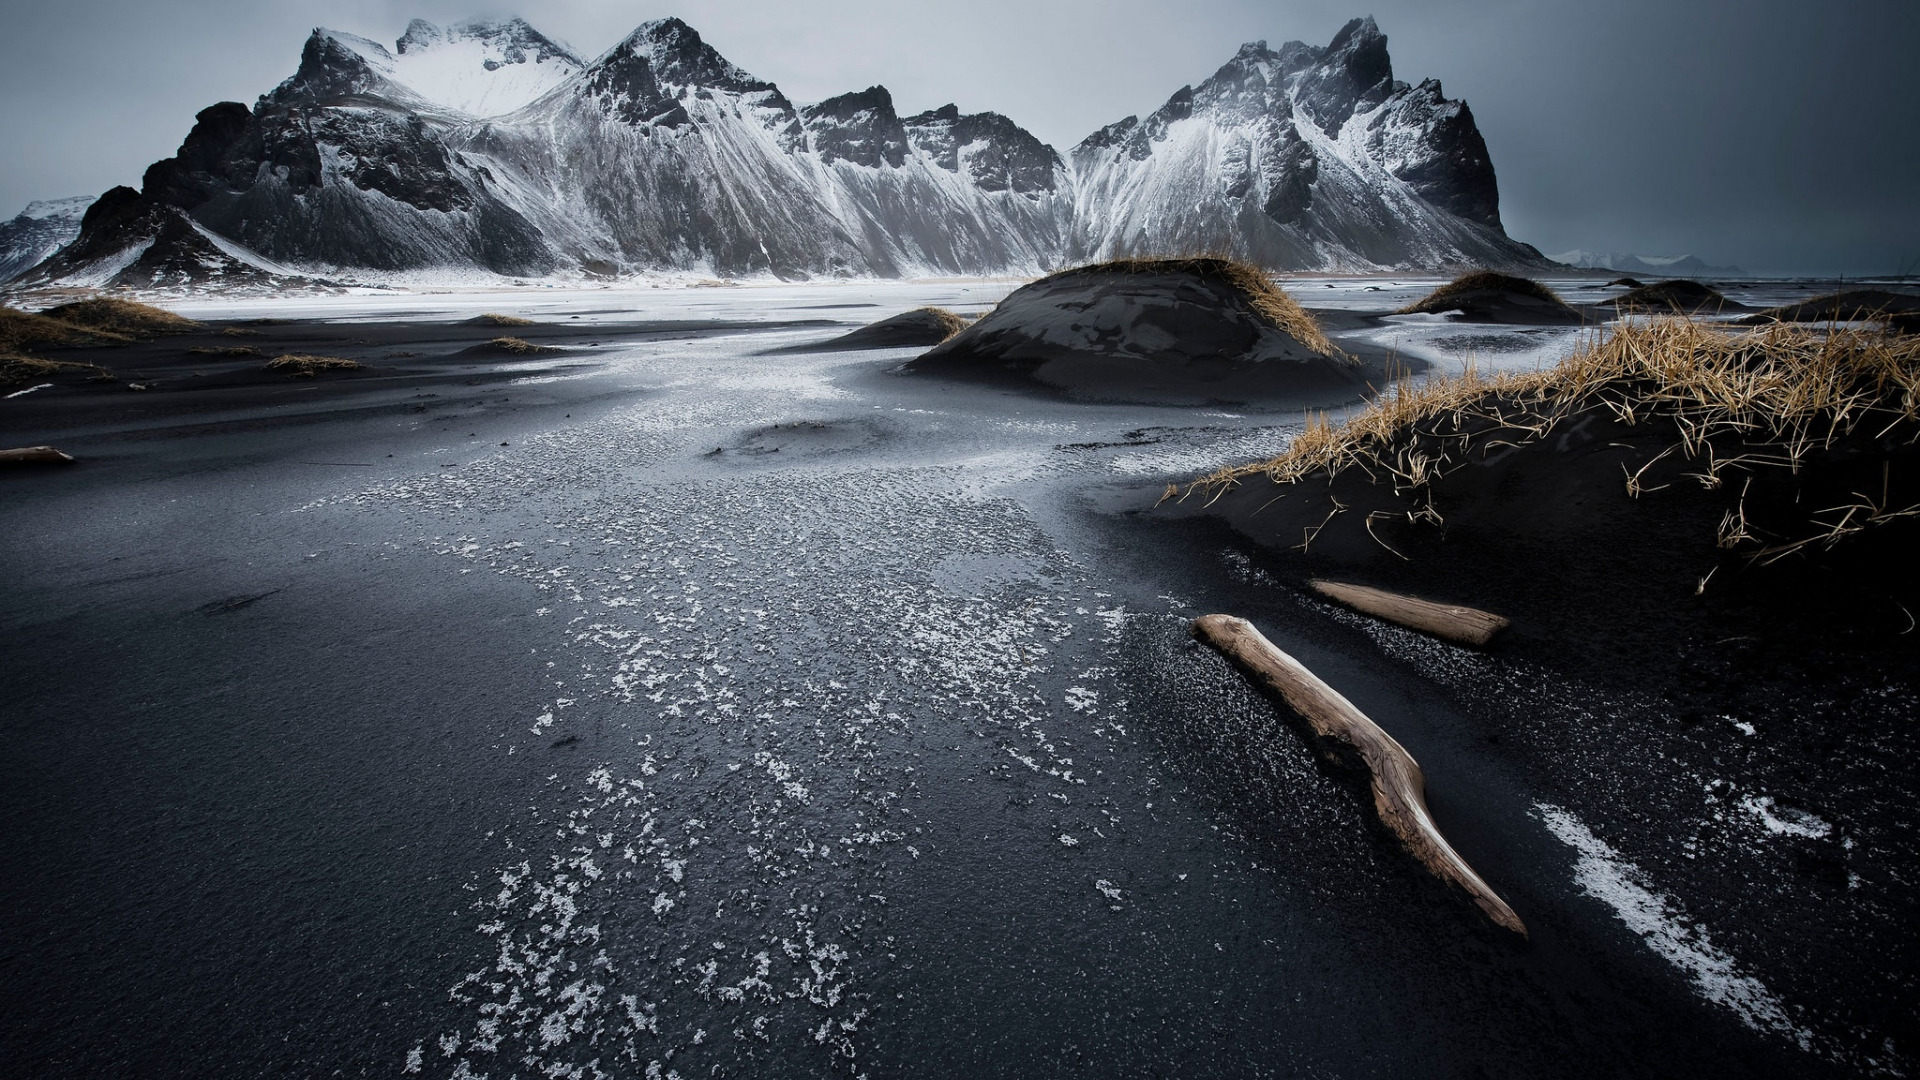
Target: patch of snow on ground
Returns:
[1602, 874]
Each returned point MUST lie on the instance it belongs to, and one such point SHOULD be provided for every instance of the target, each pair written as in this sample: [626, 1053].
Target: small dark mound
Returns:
[493, 319]
[1679, 295]
[1631, 283]
[121, 317]
[1151, 330]
[1489, 296]
[1855, 305]
[510, 346]
[921, 327]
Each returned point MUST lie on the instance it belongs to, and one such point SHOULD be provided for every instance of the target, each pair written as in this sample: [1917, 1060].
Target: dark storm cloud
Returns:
[1776, 134]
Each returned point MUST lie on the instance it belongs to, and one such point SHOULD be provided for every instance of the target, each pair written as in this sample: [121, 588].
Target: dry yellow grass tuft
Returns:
[950, 323]
[1253, 284]
[121, 317]
[519, 346]
[300, 366]
[21, 370]
[1448, 297]
[492, 319]
[1774, 396]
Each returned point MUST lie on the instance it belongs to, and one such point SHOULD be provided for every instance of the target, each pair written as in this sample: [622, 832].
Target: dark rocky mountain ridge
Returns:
[486, 147]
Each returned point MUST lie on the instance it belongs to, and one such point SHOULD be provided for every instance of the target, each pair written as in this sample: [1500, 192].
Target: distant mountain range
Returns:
[486, 148]
[1666, 266]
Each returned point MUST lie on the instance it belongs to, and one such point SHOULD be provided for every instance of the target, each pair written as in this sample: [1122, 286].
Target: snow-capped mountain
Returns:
[1298, 158]
[488, 147]
[1687, 266]
[38, 231]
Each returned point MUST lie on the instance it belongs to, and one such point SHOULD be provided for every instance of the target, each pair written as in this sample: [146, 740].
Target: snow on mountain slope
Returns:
[480, 67]
[486, 147]
[665, 155]
[38, 231]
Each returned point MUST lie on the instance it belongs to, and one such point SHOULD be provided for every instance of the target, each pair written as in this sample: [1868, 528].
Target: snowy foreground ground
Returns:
[733, 715]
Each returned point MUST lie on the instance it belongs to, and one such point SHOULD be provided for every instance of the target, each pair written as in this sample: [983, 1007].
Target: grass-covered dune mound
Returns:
[22, 331]
[919, 328]
[1490, 296]
[1679, 296]
[82, 324]
[123, 317]
[1157, 330]
[1672, 479]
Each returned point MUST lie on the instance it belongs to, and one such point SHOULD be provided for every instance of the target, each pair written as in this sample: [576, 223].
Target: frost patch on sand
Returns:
[1785, 820]
[1602, 874]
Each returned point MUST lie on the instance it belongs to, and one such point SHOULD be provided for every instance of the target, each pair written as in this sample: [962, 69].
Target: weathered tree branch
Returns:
[1399, 787]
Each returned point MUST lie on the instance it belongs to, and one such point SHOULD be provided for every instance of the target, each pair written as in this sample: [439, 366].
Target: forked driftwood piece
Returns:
[34, 455]
[1399, 788]
[1460, 625]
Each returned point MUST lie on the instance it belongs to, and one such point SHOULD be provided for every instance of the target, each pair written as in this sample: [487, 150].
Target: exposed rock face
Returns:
[486, 146]
[38, 231]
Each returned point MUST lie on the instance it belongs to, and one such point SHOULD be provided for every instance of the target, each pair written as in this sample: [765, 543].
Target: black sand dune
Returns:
[922, 327]
[1855, 305]
[1679, 295]
[1171, 331]
[1486, 296]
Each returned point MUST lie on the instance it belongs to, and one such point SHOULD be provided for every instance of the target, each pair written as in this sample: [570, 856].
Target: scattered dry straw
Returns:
[227, 350]
[298, 366]
[21, 370]
[1741, 401]
[492, 319]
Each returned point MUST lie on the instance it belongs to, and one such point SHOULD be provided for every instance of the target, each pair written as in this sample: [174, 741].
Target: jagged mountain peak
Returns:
[678, 56]
[514, 34]
[333, 65]
[861, 127]
[1300, 155]
[1352, 74]
[476, 68]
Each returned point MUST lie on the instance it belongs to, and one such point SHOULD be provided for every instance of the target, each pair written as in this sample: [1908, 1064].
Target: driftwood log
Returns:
[1451, 622]
[34, 455]
[1399, 787]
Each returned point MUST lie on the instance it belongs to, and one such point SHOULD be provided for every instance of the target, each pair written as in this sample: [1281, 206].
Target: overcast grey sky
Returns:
[1776, 134]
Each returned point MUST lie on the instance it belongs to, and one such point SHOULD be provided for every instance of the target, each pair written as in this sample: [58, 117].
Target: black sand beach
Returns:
[794, 716]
